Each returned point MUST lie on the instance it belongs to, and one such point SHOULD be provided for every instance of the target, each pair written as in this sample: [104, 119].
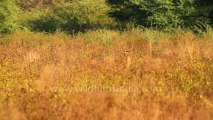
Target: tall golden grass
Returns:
[136, 74]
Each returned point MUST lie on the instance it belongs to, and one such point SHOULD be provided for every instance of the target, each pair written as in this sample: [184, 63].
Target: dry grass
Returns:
[141, 74]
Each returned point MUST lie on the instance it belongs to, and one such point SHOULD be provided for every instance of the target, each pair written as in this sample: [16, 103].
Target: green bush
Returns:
[163, 14]
[8, 16]
[74, 16]
[29, 5]
[206, 9]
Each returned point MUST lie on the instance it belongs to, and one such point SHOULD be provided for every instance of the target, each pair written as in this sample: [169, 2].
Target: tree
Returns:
[74, 16]
[8, 16]
[40, 4]
[206, 9]
[161, 14]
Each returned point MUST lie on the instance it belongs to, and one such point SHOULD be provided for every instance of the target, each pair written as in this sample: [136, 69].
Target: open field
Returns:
[106, 75]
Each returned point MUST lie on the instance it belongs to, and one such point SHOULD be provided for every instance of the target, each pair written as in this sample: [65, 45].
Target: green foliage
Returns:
[162, 14]
[206, 9]
[77, 15]
[31, 4]
[8, 16]
[82, 15]
[159, 13]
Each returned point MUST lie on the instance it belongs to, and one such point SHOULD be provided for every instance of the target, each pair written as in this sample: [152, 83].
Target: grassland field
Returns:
[106, 75]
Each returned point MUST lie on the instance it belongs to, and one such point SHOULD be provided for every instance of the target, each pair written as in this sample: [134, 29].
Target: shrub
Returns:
[31, 4]
[162, 14]
[74, 16]
[8, 16]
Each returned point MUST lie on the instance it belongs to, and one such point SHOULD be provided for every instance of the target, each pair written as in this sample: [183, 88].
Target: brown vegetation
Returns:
[62, 77]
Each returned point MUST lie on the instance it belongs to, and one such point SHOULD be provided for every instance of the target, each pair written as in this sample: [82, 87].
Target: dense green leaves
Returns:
[206, 9]
[74, 16]
[40, 4]
[8, 16]
[162, 14]
[80, 15]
